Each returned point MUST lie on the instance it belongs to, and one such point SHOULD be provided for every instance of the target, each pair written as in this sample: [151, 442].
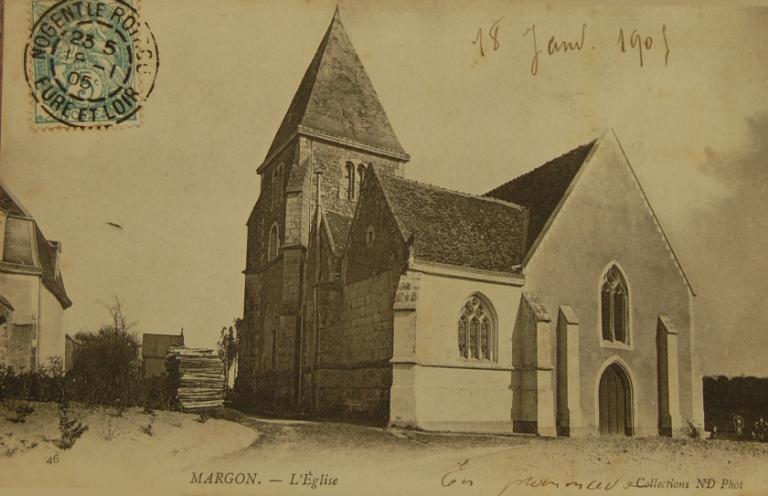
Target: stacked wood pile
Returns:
[199, 377]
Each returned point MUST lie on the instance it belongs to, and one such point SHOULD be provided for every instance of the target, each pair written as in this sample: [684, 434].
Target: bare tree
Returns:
[120, 317]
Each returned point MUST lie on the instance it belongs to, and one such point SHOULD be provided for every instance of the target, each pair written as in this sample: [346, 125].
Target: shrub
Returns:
[23, 410]
[691, 430]
[110, 432]
[106, 367]
[204, 416]
[147, 429]
[70, 428]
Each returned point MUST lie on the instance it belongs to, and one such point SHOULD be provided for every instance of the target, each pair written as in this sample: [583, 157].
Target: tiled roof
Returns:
[455, 228]
[541, 189]
[339, 226]
[156, 345]
[337, 99]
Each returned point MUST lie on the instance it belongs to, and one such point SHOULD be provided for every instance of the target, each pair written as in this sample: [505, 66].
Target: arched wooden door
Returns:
[615, 402]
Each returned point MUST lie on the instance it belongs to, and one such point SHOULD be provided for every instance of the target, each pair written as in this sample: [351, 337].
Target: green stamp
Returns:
[89, 64]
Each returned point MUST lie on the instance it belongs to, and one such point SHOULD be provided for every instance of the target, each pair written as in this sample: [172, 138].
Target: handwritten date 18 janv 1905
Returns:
[490, 40]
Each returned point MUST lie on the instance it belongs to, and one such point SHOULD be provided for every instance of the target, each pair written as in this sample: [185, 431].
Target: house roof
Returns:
[338, 227]
[336, 99]
[48, 251]
[455, 228]
[9, 204]
[19, 248]
[541, 189]
[156, 345]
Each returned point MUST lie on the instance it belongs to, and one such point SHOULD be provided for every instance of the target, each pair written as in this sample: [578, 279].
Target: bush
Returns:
[23, 410]
[70, 428]
[147, 429]
[43, 384]
[691, 430]
[106, 367]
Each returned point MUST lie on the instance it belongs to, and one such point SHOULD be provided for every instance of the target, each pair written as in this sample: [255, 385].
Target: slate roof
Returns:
[336, 98]
[541, 189]
[48, 251]
[156, 345]
[19, 248]
[455, 228]
[338, 225]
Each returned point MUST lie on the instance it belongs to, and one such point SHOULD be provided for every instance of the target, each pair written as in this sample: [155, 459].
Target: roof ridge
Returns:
[459, 193]
[548, 162]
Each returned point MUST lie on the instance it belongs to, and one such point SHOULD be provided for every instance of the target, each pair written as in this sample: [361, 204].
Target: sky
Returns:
[692, 120]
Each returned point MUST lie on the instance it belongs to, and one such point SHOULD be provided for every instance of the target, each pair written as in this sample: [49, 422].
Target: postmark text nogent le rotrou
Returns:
[89, 63]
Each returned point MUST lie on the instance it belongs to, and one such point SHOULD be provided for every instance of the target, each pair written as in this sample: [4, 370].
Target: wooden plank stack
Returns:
[199, 373]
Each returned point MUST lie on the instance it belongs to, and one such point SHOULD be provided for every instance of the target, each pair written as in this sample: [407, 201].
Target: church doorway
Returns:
[615, 402]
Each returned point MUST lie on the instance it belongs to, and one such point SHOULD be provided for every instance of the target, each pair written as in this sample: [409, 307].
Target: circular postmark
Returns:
[89, 63]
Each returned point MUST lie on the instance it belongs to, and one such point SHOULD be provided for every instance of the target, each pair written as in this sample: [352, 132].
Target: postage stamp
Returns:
[89, 64]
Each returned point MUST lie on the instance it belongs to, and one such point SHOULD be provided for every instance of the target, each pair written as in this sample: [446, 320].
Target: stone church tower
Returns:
[334, 130]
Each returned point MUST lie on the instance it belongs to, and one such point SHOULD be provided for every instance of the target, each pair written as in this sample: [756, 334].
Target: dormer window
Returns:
[370, 236]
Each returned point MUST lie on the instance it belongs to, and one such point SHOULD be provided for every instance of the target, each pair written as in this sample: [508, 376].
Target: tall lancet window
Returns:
[273, 243]
[360, 175]
[477, 330]
[349, 180]
[614, 306]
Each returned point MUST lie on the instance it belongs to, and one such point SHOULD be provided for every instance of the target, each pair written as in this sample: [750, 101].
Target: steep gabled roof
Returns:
[541, 189]
[338, 228]
[455, 228]
[544, 189]
[336, 99]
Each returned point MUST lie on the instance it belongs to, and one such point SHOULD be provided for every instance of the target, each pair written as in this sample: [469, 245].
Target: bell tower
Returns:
[334, 129]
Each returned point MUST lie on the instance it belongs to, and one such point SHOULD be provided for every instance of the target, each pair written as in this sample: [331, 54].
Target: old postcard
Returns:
[296, 247]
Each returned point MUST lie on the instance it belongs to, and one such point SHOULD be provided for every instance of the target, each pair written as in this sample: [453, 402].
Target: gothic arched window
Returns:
[614, 306]
[349, 179]
[360, 175]
[477, 330]
[274, 243]
[277, 186]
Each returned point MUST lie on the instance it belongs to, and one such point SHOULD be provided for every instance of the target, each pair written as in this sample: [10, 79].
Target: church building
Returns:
[553, 304]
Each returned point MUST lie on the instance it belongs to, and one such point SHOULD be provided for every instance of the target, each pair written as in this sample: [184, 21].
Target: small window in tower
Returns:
[360, 175]
[273, 244]
[370, 236]
[350, 180]
[277, 186]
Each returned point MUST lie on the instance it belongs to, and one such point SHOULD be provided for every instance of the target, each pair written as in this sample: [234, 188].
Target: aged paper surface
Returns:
[492, 248]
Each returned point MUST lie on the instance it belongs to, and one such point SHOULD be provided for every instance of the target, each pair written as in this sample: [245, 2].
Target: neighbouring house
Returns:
[554, 304]
[154, 349]
[32, 289]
